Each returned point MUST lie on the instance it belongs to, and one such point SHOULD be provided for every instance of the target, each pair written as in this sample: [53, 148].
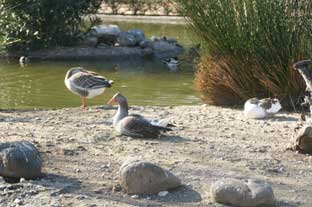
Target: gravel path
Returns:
[82, 155]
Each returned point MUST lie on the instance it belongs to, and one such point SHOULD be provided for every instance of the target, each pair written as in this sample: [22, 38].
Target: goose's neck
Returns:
[121, 112]
[307, 76]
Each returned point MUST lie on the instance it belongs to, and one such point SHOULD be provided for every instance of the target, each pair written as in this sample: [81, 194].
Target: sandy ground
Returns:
[82, 155]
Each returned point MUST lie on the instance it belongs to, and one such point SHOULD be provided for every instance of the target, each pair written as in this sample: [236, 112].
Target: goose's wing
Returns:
[265, 103]
[90, 80]
[140, 127]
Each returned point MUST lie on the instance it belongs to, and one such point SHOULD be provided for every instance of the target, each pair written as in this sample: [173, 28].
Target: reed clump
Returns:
[250, 46]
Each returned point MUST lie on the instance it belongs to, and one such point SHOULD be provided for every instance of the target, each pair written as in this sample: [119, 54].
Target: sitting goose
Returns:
[172, 64]
[135, 125]
[263, 108]
[86, 84]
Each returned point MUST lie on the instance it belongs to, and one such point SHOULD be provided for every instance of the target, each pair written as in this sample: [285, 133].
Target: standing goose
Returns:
[135, 125]
[86, 84]
[263, 108]
[305, 72]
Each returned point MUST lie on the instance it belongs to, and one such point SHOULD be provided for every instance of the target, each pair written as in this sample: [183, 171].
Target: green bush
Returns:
[251, 45]
[43, 23]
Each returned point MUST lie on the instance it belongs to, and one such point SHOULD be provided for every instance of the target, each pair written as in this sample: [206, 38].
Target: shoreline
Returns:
[143, 18]
[82, 155]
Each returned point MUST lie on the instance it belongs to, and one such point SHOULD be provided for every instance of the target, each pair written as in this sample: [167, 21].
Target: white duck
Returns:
[263, 108]
[172, 64]
[86, 84]
[23, 60]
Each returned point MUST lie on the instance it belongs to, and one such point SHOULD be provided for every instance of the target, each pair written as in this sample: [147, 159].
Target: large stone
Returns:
[163, 49]
[147, 43]
[141, 177]
[302, 141]
[107, 39]
[102, 34]
[90, 41]
[100, 30]
[126, 39]
[138, 35]
[19, 160]
[245, 193]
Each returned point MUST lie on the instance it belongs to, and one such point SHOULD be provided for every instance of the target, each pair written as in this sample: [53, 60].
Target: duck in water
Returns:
[172, 64]
[24, 60]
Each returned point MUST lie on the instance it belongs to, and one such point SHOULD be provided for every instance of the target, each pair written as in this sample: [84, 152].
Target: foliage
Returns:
[140, 6]
[44, 23]
[114, 5]
[251, 45]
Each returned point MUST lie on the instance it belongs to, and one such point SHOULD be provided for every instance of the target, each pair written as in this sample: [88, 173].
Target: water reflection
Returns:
[41, 84]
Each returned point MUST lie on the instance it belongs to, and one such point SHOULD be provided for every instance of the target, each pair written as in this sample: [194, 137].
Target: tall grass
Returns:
[251, 45]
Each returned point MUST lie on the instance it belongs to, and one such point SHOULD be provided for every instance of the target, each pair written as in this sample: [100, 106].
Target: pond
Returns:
[41, 84]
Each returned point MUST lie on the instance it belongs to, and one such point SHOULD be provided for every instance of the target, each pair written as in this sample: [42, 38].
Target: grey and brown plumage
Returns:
[303, 68]
[135, 125]
[261, 108]
[86, 84]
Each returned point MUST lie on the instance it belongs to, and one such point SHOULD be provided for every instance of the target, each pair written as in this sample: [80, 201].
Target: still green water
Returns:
[41, 84]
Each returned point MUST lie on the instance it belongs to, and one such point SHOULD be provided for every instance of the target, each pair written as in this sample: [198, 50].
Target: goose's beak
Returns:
[112, 101]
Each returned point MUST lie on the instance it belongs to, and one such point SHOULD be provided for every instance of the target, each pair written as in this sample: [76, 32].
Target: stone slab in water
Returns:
[142, 177]
[245, 193]
[20, 160]
[163, 49]
[160, 51]
[90, 53]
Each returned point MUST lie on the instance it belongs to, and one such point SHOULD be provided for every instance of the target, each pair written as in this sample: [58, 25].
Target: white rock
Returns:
[135, 196]
[163, 193]
[98, 31]
[244, 193]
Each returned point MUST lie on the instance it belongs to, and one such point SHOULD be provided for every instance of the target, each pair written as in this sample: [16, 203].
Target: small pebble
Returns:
[163, 193]
[135, 196]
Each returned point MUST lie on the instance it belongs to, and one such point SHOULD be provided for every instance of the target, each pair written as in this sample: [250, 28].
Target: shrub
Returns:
[251, 45]
[44, 23]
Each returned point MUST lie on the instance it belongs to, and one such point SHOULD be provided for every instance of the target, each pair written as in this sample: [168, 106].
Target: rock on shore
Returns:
[141, 177]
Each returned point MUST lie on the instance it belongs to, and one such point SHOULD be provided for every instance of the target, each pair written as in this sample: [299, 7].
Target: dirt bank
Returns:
[82, 155]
